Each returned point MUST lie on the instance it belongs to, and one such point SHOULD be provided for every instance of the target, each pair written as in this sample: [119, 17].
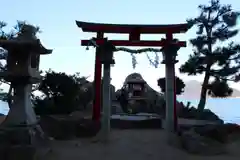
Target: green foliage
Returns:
[193, 113]
[18, 28]
[219, 88]
[62, 93]
[216, 23]
[180, 85]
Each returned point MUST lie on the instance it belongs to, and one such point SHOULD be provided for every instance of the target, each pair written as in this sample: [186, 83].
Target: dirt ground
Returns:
[128, 145]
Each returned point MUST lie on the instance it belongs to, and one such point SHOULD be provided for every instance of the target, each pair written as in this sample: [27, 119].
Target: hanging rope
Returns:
[132, 52]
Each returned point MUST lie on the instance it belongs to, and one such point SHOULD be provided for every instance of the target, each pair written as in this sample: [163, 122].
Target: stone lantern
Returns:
[23, 56]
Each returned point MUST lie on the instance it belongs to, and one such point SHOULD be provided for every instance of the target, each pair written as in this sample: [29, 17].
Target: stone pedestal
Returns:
[20, 131]
[18, 152]
[21, 111]
[16, 143]
[21, 142]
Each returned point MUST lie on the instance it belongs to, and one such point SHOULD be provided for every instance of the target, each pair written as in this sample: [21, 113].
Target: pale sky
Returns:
[60, 33]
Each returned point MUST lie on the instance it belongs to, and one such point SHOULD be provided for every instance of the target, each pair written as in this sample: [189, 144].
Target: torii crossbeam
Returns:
[134, 32]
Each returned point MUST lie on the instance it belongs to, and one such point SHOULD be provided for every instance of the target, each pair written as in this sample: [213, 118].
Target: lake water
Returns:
[226, 109]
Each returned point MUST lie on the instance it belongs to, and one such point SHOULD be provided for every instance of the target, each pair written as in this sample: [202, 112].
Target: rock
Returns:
[64, 127]
[215, 132]
[116, 107]
[21, 152]
[60, 127]
[233, 148]
[232, 128]
[17, 152]
[219, 132]
[139, 107]
[154, 100]
[194, 143]
[87, 128]
[137, 124]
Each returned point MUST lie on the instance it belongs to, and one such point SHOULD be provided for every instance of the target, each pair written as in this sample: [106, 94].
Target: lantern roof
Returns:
[27, 41]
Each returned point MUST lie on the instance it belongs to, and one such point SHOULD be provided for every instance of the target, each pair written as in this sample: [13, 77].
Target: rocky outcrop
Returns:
[64, 127]
[196, 143]
[208, 139]
[154, 102]
[193, 113]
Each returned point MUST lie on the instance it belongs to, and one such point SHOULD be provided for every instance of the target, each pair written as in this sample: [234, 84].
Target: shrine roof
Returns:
[127, 28]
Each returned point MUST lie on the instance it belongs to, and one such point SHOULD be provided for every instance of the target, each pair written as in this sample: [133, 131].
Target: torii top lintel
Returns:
[134, 32]
[128, 28]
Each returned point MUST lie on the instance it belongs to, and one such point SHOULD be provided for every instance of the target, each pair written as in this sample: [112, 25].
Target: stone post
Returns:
[169, 54]
[106, 56]
[106, 101]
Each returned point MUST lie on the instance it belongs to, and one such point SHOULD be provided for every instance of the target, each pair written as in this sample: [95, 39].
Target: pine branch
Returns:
[224, 78]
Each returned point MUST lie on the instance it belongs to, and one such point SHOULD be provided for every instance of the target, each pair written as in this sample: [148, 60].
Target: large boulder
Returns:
[208, 139]
[154, 102]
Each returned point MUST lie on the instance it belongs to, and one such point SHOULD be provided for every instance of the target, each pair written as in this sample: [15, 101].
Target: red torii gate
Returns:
[134, 32]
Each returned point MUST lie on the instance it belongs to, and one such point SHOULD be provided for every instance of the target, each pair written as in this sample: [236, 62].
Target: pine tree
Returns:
[216, 23]
[180, 85]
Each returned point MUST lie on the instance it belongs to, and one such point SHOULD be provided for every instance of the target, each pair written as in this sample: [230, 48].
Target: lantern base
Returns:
[19, 135]
[21, 142]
